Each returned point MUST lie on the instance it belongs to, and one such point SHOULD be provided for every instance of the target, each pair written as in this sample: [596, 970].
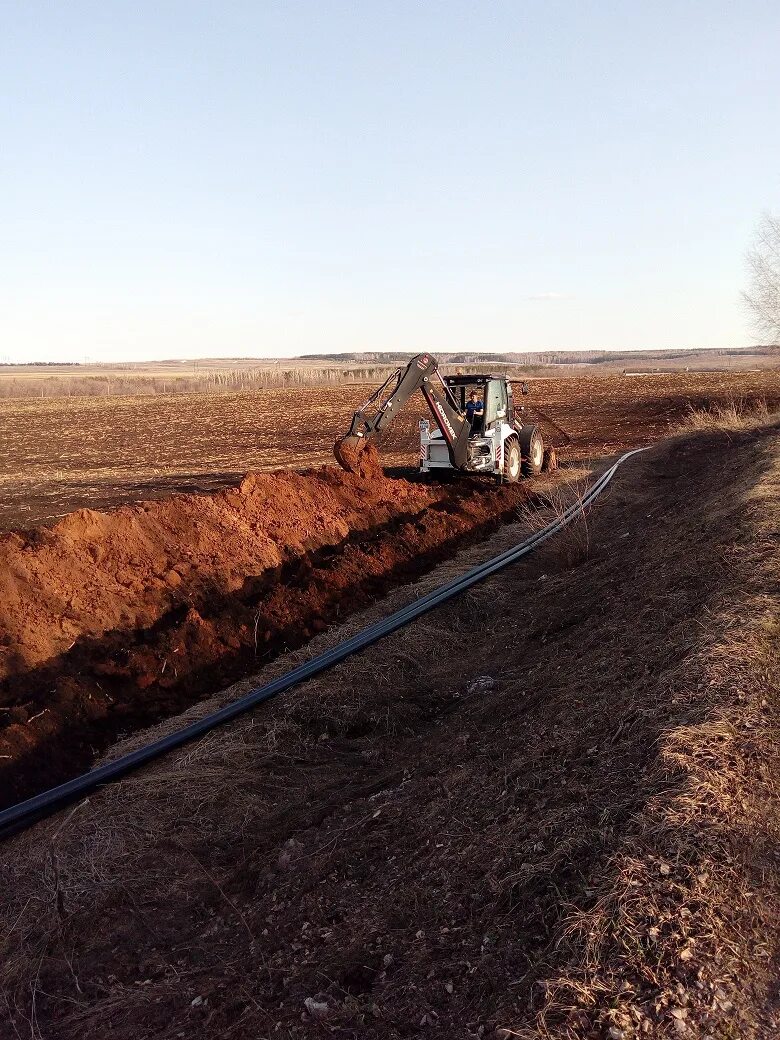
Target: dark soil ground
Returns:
[548, 809]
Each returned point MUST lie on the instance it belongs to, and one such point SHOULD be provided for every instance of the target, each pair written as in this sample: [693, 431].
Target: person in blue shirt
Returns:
[474, 407]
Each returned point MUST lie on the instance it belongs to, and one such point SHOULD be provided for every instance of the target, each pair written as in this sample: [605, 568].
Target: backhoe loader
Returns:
[490, 440]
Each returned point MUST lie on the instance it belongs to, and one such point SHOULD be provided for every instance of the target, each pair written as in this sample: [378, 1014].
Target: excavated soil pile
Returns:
[112, 620]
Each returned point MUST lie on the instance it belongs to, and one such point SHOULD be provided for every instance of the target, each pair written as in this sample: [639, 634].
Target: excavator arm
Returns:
[422, 373]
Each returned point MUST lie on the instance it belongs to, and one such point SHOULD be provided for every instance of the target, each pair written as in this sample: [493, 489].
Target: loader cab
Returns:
[496, 395]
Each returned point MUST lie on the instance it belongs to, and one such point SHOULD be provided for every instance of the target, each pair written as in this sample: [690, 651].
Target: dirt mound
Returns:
[110, 621]
[96, 572]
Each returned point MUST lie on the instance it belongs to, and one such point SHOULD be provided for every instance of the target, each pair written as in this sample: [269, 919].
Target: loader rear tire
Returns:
[532, 449]
[512, 461]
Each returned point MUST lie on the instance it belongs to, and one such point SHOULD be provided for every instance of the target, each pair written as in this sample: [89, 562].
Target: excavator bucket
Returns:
[348, 451]
[358, 455]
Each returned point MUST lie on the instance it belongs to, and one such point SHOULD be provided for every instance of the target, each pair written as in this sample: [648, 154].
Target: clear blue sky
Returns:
[185, 178]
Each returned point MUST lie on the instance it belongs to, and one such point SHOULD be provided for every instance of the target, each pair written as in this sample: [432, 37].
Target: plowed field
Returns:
[68, 453]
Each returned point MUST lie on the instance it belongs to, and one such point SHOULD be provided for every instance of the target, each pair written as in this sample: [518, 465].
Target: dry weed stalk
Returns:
[573, 543]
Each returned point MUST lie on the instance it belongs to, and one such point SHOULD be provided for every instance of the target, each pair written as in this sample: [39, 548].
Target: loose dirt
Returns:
[109, 621]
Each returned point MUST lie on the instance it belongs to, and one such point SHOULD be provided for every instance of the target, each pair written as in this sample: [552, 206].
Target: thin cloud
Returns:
[547, 296]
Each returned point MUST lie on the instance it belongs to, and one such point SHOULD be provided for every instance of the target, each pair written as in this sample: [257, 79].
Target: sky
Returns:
[191, 178]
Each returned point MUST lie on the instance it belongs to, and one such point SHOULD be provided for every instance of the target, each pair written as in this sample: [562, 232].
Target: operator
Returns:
[474, 407]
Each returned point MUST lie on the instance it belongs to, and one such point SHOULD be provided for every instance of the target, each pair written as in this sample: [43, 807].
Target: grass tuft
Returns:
[735, 414]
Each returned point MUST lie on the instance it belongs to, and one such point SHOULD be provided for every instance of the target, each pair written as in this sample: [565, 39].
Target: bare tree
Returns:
[763, 297]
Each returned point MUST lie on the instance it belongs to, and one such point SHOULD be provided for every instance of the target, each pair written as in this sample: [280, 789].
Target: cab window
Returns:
[495, 401]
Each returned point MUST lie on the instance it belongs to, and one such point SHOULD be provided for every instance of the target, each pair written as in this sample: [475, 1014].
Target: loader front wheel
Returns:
[512, 461]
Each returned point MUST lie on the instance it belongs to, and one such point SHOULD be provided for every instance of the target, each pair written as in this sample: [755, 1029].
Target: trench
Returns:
[58, 718]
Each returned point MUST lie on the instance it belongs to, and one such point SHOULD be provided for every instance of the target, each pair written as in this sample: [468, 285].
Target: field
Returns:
[546, 809]
[61, 454]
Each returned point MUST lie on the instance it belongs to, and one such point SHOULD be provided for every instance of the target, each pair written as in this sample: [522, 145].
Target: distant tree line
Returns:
[545, 357]
[122, 380]
[119, 383]
[122, 384]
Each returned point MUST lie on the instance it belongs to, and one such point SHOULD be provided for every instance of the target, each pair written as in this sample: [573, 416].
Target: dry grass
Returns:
[687, 914]
[735, 414]
[573, 543]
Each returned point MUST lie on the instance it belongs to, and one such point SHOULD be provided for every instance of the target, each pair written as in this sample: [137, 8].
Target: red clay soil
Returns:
[109, 621]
